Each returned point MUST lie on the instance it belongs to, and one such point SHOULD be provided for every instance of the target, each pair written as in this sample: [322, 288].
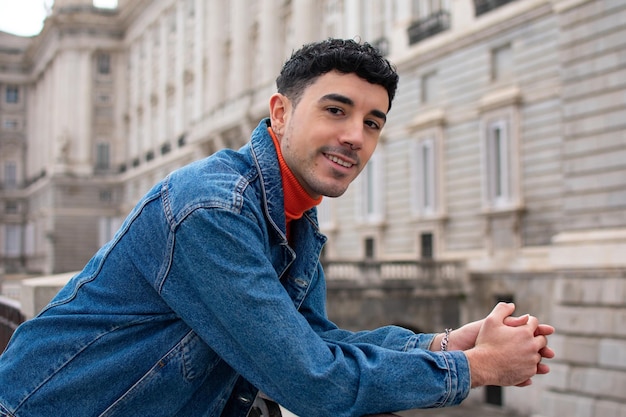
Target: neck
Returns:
[297, 200]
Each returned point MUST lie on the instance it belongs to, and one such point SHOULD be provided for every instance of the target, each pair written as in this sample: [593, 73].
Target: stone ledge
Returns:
[37, 292]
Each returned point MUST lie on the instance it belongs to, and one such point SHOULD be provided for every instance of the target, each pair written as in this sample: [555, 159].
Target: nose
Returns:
[353, 136]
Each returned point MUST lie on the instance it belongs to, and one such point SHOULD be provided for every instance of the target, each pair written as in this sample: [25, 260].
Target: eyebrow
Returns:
[347, 100]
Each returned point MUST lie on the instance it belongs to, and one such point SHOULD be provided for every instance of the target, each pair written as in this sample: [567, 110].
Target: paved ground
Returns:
[471, 410]
[464, 410]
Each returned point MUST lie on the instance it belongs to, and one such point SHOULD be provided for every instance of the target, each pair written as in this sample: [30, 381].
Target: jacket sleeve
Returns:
[389, 337]
[221, 282]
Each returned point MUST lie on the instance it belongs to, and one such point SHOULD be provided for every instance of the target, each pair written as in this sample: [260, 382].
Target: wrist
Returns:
[478, 371]
[441, 342]
[435, 344]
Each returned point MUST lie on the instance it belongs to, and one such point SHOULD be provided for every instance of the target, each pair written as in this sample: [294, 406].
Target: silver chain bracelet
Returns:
[444, 341]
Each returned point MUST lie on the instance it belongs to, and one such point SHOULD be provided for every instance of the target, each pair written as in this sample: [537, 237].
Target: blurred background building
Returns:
[501, 174]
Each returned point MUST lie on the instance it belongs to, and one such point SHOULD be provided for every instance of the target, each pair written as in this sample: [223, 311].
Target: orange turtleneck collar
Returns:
[297, 200]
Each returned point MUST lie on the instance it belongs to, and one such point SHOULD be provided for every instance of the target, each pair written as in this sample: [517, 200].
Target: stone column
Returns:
[269, 42]
[214, 53]
[198, 64]
[239, 79]
[162, 81]
[146, 77]
[305, 21]
[179, 82]
[133, 140]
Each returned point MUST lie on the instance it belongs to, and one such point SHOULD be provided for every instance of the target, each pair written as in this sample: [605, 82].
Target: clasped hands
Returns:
[502, 349]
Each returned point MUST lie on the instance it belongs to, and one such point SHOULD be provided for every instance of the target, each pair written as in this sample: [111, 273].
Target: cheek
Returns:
[368, 151]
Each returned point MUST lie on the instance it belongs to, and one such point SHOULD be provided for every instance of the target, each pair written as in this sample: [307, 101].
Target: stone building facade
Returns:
[505, 148]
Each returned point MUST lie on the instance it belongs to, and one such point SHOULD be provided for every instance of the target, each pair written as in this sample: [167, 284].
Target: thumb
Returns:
[501, 311]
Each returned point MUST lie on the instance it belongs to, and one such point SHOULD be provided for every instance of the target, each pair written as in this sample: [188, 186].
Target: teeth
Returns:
[339, 161]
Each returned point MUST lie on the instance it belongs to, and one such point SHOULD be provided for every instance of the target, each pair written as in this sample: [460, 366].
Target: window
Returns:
[502, 63]
[484, 6]
[103, 98]
[500, 149]
[429, 17]
[10, 124]
[104, 63]
[12, 240]
[103, 161]
[500, 161]
[498, 165]
[426, 245]
[369, 248]
[424, 177]
[11, 207]
[429, 88]
[106, 196]
[425, 156]
[424, 8]
[371, 199]
[12, 94]
[10, 174]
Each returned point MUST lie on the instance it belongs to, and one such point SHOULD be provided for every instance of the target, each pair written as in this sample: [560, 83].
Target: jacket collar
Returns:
[266, 161]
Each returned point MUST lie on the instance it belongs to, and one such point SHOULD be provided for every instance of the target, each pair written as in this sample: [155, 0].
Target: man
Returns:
[213, 289]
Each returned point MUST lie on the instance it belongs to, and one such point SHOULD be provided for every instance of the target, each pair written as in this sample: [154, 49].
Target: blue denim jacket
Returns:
[198, 299]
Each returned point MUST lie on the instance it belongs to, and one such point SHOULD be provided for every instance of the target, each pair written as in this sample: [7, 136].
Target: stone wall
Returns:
[588, 377]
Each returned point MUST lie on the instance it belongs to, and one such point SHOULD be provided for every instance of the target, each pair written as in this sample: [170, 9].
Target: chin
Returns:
[334, 193]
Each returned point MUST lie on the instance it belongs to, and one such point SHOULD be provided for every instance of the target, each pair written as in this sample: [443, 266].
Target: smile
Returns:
[341, 162]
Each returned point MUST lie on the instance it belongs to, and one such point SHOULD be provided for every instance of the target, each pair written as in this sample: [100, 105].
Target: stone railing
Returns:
[425, 274]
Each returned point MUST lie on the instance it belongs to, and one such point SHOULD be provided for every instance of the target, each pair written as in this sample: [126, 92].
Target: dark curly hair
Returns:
[344, 55]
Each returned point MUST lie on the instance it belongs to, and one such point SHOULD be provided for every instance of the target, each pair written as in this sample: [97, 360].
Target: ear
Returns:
[280, 109]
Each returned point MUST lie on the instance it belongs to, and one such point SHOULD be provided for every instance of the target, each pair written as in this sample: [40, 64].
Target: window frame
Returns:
[102, 162]
[10, 175]
[12, 94]
[424, 178]
[502, 65]
[12, 245]
[103, 63]
[371, 198]
[500, 159]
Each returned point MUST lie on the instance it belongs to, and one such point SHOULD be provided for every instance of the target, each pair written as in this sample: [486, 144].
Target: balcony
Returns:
[429, 26]
[423, 275]
[484, 6]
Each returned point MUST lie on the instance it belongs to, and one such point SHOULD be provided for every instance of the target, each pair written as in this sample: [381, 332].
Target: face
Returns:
[329, 136]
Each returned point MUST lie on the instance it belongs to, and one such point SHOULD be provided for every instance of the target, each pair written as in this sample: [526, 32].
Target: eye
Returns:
[335, 110]
[373, 124]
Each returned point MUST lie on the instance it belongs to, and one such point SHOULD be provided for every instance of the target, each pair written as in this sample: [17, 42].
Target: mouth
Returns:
[339, 161]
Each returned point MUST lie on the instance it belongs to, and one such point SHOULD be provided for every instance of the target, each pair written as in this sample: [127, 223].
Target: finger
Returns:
[546, 352]
[516, 321]
[533, 322]
[542, 368]
[544, 329]
[525, 383]
[541, 342]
